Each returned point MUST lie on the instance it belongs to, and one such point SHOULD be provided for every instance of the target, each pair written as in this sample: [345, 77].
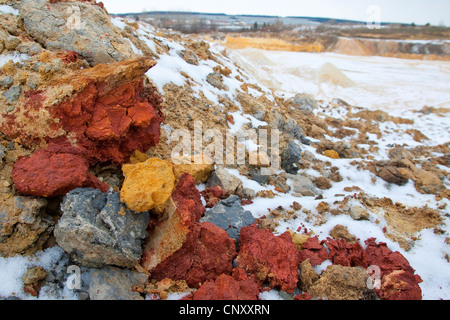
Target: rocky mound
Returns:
[90, 114]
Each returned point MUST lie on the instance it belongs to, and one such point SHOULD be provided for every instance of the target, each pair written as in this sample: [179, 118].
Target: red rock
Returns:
[346, 254]
[239, 286]
[113, 126]
[48, 174]
[181, 214]
[400, 285]
[388, 261]
[187, 197]
[69, 56]
[303, 296]
[106, 112]
[213, 195]
[313, 250]
[270, 258]
[207, 252]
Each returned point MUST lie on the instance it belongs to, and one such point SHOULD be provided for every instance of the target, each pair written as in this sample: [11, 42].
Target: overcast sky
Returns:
[407, 11]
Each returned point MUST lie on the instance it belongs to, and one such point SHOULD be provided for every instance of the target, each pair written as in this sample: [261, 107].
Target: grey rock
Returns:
[115, 284]
[13, 94]
[6, 82]
[75, 26]
[258, 176]
[189, 56]
[290, 155]
[305, 102]
[24, 225]
[359, 213]
[30, 48]
[216, 80]
[228, 182]
[2, 152]
[229, 215]
[303, 185]
[12, 42]
[96, 229]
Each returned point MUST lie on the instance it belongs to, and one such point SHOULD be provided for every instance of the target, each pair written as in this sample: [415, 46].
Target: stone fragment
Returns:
[187, 164]
[24, 225]
[49, 174]
[213, 195]
[400, 285]
[57, 27]
[303, 185]
[239, 286]
[181, 213]
[341, 232]
[96, 229]
[12, 94]
[33, 275]
[229, 215]
[207, 252]
[331, 154]
[290, 155]
[322, 183]
[428, 182]
[358, 213]
[392, 174]
[270, 258]
[227, 181]
[147, 184]
[12, 42]
[112, 283]
[340, 283]
[313, 250]
[307, 275]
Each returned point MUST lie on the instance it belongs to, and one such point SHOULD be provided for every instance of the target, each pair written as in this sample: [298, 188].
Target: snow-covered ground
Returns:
[388, 84]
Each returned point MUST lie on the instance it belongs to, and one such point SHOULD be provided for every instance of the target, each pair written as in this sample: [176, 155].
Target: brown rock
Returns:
[393, 175]
[307, 275]
[340, 283]
[428, 182]
[341, 232]
[25, 226]
[322, 183]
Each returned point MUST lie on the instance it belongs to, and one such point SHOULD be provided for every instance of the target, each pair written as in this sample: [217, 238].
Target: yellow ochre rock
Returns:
[331, 154]
[200, 169]
[147, 184]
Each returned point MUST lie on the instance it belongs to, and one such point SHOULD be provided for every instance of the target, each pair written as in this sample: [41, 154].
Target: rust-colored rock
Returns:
[147, 184]
[181, 248]
[400, 285]
[239, 286]
[181, 213]
[271, 258]
[313, 250]
[379, 254]
[346, 254]
[213, 195]
[99, 114]
[49, 174]
[207, 252]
